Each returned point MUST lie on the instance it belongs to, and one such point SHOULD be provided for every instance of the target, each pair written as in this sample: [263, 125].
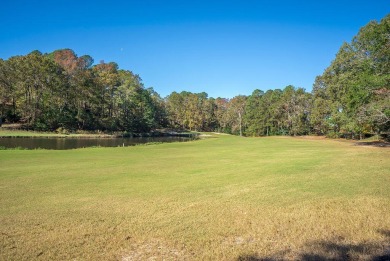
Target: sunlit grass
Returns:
[223, 198]
[5, 132]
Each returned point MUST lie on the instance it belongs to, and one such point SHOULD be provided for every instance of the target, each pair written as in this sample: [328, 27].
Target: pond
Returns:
[75, 143]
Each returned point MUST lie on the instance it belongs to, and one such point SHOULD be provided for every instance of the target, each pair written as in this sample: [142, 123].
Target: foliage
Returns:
[353, 94]
[61, 90]
[193, 111]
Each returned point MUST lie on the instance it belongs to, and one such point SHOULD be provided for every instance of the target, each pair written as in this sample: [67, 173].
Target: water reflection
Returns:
[74, 143]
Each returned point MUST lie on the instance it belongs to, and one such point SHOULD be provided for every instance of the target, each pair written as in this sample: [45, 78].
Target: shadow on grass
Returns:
[335, 251]
[381, 144]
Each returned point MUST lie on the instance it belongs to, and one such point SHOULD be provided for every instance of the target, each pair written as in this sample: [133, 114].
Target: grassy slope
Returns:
[221, 198]
[5, 132]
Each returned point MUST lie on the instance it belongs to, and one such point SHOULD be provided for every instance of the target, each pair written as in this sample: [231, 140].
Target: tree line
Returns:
[61, 90]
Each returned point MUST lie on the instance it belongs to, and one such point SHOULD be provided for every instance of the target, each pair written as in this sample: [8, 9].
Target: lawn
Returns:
[220, 198]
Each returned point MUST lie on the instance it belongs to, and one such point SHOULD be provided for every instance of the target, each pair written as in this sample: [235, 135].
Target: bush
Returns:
[62, 130]
[333, 135]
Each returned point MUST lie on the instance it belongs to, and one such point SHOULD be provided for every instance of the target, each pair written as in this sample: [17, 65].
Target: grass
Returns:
[7, 132]
[4, 132]
[223, 198]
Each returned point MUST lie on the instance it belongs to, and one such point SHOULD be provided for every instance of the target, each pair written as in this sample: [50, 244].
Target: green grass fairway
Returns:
[221, 198]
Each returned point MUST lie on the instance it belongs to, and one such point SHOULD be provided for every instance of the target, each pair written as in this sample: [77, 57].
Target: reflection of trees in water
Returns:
[74, 143]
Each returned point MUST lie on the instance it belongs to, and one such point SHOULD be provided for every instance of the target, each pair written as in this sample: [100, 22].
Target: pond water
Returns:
[74, 143]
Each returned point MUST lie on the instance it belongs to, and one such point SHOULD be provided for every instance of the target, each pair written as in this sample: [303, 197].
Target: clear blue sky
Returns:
[224, 48]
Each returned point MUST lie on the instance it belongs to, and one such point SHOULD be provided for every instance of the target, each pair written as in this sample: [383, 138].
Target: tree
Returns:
[38, 88]
[352, 83]
[255, 114]
[7, 92]
[107, 81]
[236, 112]
[221, 116]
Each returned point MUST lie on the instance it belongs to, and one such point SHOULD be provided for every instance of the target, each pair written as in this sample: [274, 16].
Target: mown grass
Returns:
[223, 198]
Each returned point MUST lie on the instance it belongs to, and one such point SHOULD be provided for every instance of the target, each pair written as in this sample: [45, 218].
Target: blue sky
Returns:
[224, 48]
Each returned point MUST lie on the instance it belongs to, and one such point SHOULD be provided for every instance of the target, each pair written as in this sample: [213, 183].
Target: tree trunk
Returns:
[240, 120]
